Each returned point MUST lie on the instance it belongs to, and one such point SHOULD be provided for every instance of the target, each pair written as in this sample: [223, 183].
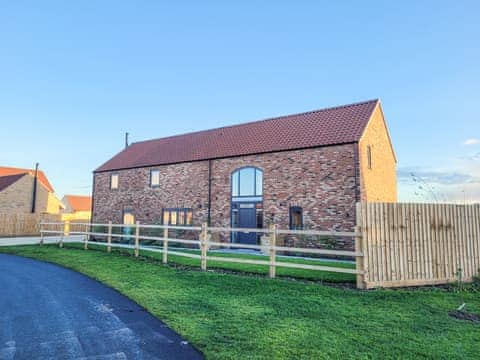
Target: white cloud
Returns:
[441, 177]
[471, 141]
[458, 182]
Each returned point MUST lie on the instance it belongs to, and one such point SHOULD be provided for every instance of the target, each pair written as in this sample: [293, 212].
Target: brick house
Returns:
[299, 171]
[77, 207]
[17, 192]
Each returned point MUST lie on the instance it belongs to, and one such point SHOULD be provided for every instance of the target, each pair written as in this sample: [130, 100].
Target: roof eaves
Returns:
[256, 121]
[221, 157]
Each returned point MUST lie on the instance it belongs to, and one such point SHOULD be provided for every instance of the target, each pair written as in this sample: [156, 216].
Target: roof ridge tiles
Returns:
[259, 121]
[322, 127]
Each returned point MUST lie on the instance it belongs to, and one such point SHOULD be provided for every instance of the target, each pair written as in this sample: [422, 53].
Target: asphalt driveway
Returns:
[49, 312]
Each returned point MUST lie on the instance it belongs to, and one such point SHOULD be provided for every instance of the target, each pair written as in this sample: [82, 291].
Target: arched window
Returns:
[247, 204]
[247, 181]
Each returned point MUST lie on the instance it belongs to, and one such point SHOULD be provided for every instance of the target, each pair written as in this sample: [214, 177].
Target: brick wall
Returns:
[181, 185]
[322, 181]
[17, 198]
[378, 183]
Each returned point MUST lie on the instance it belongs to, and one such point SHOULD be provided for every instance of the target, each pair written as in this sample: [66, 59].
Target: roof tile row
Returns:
[337, 125]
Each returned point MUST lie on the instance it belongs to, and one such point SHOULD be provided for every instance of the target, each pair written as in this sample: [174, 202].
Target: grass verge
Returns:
[230, 316]
[313, 275]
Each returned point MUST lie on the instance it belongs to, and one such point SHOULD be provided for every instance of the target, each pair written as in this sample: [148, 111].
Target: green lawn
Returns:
[233, 316]
[319, 276]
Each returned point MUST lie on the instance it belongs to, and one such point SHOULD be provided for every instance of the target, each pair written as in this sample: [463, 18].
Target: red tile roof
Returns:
[79, 202]
[6, 181]
[5, 171]
[337, 125]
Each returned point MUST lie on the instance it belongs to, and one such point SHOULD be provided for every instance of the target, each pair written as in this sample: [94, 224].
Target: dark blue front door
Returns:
[247, 219]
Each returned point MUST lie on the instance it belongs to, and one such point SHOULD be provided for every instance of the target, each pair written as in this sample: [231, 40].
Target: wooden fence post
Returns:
[360, 245]
[65, 232]
[109, 237]
[203, 247]
[137, 238]
[85, 245]
[165, 244]
[273, 241]
[41, 233]
[359, 261]
[62, 234]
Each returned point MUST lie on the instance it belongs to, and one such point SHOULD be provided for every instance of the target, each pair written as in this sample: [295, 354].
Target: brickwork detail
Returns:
[17, 198]
[181, 185]
[378, 182]
[322, 181]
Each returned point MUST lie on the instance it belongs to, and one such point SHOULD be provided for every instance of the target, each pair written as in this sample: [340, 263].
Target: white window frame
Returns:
[157, 172]
[112, 176]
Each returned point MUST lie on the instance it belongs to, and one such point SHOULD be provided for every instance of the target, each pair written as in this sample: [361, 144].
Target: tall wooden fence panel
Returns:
[419, 244]
[23, 224]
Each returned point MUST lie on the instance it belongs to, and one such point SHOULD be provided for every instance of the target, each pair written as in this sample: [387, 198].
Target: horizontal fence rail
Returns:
[204, 243]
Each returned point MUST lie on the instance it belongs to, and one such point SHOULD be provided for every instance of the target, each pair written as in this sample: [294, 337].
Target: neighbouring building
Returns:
[299, 171]
[19, 188]
[77, 207]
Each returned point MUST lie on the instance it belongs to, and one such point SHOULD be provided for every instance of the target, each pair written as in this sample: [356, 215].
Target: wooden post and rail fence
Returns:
[395, 244]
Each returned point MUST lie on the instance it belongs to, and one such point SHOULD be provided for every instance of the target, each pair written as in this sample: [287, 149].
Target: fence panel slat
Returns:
[451, 258]
[383, 237]
[365, 242]
[470, 244]
[420, 244]
[13, 225]
[435, 240]
[461, 244]
[373, 228]
[425, 243]
[476, 239]
[392, 240]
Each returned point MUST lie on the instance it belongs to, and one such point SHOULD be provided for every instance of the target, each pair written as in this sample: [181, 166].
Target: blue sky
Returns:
[74, 76]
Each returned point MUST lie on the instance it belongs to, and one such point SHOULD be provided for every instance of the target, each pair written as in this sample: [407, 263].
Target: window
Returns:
[155, 178]
[369, 156]
[173, 217]
[114, 181]
[235, 183]
[247, 181]
[296, 218]
[180, 217]
[188, 217]
[258, 182]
